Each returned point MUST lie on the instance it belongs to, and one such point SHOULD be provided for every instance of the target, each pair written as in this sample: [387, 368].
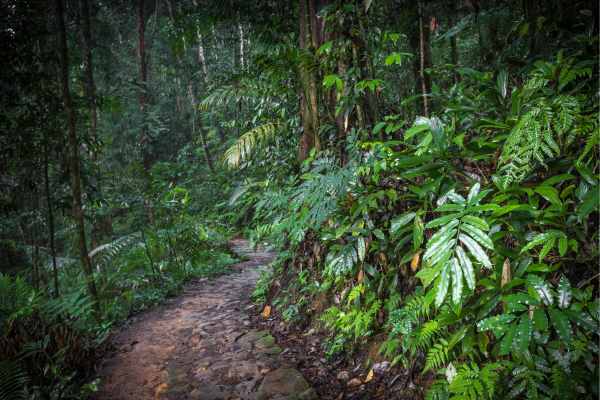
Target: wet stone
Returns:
[284, 380]
[221, 364]
[252, 336]
[171, 373]
[308, 394]
[270, 351]
[256, 396]
[266, 341]
[172, 387]
[182, 347]
[206, 343]
[237, 347]
[245, 387]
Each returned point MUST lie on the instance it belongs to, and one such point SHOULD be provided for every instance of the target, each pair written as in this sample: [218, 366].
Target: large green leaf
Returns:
[467, 267]
[564, 292]
[441, 284]
[542, 238]
[582, 320]
[589, 202]
[468, 341]
[540, 320]
[439, 134]
[509, 340]
[478, 235]
[443, 220]
[521, 298]
[477, 251]
[477, 222]
[556, 179]
[562, 326]
[473, 192]
[457, 282]
[547, 247]
[492, 323]
[542, 288]
[412, 161]
[524, 336]
[402, 220]
[439, 241]
[458, 336]
[549, 193]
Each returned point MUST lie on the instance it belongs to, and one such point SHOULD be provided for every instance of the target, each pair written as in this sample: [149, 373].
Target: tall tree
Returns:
[88, 77]
[73, 157]
[141, 47]
[192, 94]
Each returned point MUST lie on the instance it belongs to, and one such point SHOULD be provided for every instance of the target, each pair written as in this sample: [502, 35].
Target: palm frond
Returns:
[12, 380]
[248, 142]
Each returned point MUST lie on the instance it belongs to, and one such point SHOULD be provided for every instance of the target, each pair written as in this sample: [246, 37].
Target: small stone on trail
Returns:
[266, 341]
[343, 375]
[284, 381]
[272, 350]
[171, 373]
[256, 396]
[253, 335]
[244, 387]
[207, 343]
[172, 387]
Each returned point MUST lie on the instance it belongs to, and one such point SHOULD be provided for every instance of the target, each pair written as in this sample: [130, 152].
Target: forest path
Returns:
[200, 345]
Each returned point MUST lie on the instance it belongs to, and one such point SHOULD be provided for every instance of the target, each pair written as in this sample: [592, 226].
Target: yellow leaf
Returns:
[202, 368]
[266, 312]
[415, 262]
[369, 376]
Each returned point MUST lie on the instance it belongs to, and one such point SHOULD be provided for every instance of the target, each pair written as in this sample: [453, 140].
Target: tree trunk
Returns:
[73, 157]
[306, 137]
[141, 46]
[188, 81]
[88, 77]
[422, 73]
[50, 222]
[241, 35]
[149, 56]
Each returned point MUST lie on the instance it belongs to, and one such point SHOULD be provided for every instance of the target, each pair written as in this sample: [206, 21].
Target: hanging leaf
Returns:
[582, 320]
[524, 334]
[494, 322]
[539, 319]
[562, 326]
[456, 280]
[467, 267]
[564, 292]
[477, 251]
[508, 341]
[441, 284]
[542, 288]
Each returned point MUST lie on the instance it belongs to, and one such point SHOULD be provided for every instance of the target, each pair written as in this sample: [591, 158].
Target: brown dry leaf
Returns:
[266, 312]
[369, 376]
[415, 262]
[350, 199]
[354, 382]
[361, 275]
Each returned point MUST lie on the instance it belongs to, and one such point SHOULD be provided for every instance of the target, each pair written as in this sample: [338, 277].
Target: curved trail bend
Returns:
[200, 346]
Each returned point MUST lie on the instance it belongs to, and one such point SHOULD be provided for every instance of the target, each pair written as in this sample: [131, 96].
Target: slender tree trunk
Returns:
[241, 35]
[306, 137]
[50, 222]
[422, 73]
[149, 52]
[88, 77]
[201, 49]
[188, 82]
[74, 158]
[141, 46]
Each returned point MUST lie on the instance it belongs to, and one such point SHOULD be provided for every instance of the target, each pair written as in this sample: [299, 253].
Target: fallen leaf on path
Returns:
[266, 312]
[415, 262]
[202, 368]
[369, 376]
[354, 382]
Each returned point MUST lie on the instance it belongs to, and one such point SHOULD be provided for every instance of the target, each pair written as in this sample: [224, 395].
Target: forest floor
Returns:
[211, 343]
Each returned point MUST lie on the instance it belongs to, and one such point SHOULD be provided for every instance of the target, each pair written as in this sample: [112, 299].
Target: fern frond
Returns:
[12, 380]
[248, 142]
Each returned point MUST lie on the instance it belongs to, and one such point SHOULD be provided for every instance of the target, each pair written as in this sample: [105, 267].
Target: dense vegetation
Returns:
[427, 170]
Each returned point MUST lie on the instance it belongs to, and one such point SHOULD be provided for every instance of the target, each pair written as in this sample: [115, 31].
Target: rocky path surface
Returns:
[201, 345]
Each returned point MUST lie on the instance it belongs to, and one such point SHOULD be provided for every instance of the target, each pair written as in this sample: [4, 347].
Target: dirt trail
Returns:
[200, 345]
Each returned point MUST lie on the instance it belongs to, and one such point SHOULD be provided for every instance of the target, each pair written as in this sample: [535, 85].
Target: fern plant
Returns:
[445, 258]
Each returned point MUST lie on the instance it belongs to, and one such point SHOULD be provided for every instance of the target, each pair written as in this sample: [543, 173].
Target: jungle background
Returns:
[427, 171]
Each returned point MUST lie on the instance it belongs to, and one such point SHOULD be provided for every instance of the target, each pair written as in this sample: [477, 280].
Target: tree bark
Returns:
[241, 36]
[422, 73]
[190, 86]
[50, 222]
[88, 77]
[141, 46]
[73, 158]
[149, 56]
[306, 137]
